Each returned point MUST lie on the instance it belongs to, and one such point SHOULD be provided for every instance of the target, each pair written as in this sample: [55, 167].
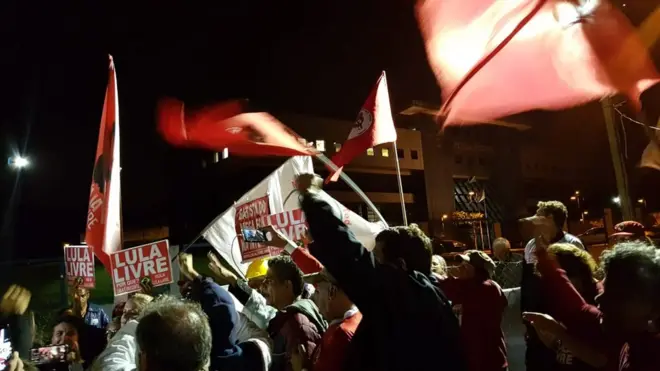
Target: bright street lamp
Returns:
[617, 200]
[18, 162]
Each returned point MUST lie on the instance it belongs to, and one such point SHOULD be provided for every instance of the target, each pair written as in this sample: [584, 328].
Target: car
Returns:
[443, 246]
[593, 236]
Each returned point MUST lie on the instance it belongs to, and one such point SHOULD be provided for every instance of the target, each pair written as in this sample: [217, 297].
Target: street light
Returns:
[18, 162]
[577, 193]
[642, 201]
[617, 200]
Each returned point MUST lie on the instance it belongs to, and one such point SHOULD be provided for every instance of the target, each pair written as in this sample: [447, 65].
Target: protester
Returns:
[479, 304]
[227, 353]
[290, 320]
[134, 307]
[439, 266]
[173, 335]
[14, 314]
[407, 321]
[617, 333]
[92, 314]
[509, 265]
[549, 222]
[344, 319]
[85, 342]
[579, 268]
[629, 231]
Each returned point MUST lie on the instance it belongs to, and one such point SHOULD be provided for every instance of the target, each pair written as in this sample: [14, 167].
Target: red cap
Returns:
[629, 228]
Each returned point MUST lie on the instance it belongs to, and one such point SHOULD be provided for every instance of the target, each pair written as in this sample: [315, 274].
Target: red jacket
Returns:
[331, 352]
[583, 321]
[479, 306]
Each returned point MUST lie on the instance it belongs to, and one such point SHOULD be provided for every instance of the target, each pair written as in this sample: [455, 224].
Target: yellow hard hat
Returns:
[257, 268]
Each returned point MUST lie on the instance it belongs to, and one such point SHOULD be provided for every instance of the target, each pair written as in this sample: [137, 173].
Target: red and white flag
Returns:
[498, 58]
[103, 232]
[226, 125]
[373, 126]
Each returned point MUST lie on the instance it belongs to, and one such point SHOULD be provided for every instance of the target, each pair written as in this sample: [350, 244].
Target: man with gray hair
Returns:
[173, 335]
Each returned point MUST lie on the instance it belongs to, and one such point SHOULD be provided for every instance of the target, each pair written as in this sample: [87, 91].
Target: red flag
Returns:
[497, 58]
[225, 125]
[373, 126]
[103, 232]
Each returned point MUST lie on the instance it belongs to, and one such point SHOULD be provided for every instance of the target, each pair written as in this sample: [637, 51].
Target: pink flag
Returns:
[373, 126]
[497, 58]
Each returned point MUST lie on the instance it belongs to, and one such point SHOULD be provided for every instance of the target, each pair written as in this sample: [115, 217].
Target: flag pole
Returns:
[323, 158]
[398, 178]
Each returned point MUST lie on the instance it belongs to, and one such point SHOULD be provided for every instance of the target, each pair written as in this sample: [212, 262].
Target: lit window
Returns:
[370, 152]
[385, 152]
[216, 157]
[225, 153]
[320, 145]
[337, 147]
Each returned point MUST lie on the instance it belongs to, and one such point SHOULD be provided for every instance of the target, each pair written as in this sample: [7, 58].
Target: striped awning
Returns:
[478, 201]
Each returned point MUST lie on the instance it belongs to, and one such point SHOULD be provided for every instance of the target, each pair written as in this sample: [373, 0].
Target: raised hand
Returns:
[15, 300]
[220, 272]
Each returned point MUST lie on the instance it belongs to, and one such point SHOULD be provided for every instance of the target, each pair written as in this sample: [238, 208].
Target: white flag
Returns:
[221, 234]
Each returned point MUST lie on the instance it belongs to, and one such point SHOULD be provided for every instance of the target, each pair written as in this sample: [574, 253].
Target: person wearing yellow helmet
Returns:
[256, 272]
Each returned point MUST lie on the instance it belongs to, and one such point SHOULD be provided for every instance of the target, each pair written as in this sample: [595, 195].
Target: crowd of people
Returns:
[334, 305]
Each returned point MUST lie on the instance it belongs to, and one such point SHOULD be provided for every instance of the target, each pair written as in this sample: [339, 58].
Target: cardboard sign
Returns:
[132, 266]
[251, 215]
[79, 264]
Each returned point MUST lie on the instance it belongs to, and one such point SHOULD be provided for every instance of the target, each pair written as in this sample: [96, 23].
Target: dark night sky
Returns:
[313, 57]
[318, 57]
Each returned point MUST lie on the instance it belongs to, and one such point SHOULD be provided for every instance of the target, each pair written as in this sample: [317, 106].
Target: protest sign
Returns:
[79, 264]
[251, 215]
[292, 224]
[141, 264]
[224, 235]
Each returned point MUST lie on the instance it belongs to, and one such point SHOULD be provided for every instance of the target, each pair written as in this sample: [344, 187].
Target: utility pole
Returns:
[617, 161]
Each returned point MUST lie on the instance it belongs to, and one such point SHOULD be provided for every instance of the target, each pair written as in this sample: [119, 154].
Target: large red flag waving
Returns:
[373, 126]
[103, 231]
[225, 125]
[497, 58]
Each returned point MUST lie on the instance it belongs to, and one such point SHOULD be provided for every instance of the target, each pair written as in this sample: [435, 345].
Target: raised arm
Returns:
[335, 246]
[560, 290]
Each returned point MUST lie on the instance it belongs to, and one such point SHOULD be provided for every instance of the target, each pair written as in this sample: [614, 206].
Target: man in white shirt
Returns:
[548, 222]
[550, 217]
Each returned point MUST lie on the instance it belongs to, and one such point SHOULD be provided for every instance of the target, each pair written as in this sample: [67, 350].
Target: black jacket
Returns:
[407, 321]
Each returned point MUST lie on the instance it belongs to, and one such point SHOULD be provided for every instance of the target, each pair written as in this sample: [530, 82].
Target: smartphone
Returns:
[6, 349]
[51, 354]
[253, 235]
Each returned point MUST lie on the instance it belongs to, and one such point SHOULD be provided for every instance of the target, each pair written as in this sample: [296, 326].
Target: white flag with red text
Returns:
[281, 212]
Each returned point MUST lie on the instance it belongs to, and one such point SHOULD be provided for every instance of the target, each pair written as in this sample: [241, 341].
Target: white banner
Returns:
[221, 234]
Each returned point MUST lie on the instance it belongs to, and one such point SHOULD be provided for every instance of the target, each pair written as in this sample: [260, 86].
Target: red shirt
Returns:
[331, 352]
[479, 307]
[583, 321]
